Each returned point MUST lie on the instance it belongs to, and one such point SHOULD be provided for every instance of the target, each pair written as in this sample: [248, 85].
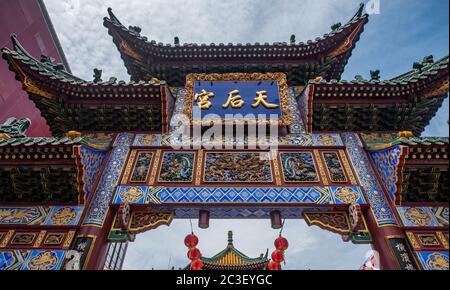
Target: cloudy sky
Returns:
[403, 32]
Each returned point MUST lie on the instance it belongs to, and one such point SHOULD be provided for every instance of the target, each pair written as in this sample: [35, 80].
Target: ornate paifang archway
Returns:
[346, 159]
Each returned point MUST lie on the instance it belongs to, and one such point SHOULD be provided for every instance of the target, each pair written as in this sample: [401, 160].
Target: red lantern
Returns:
[281, 244]
[197, 265]
[194, 254]
[273, 266]
[277, 256]
[191, 241]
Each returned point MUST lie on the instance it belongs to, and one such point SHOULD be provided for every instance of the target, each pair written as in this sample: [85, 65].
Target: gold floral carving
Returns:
[321, 168]
[39, 239]
[6, 239]
[281, 78]
[69, 239]
[443, 239]
[155, 167]
[198, 176]
[413, 241]
[347, 168]
[127, 171]
[277, 172]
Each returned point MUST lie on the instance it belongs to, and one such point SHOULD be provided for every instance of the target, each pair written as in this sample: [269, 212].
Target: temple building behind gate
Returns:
[126, 157]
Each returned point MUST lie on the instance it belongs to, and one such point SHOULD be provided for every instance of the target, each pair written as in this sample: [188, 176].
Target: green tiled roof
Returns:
[424, 141]
[70, 103]
[41, 141]
[307, 59]
[414, 141]
[428, 69]
[45, 67]
[309, 44]
[232, 259]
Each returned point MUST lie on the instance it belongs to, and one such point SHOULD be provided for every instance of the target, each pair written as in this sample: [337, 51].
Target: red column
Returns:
[370, 182]
[380, 244]
[92, 239]
[96, 257]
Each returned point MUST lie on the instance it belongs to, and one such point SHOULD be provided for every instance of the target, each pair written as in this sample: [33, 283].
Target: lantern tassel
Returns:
[282, 226]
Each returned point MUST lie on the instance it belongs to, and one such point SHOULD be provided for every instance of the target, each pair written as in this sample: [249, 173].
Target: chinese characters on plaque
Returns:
[237, 97]
[234, 99]
[403, 254]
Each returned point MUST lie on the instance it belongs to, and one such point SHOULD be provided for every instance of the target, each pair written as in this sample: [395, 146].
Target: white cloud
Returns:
[310, 247]
[439, 124]
[79, 24]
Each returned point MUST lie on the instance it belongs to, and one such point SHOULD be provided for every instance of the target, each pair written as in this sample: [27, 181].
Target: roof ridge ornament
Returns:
[14, 128]
[336, 26]
[97, 75]
[113, 17]
[47, 59]
[423, 63]
[135, 29]
[428, 59]
[230, 238]
[375, 75]
[359, 13]
[293, 39]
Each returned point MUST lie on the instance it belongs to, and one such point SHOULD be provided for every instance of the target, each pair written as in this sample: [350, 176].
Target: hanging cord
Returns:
[192, 229]
[170, 262]
[282, 226]
[281, 231]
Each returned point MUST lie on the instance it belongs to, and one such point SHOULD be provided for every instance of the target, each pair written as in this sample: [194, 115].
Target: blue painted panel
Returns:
[433, 260]
[64, 215]
[367, 177]
[44, 260]
[417, 216]
[347, 195]
[13, 259]
[247, 91]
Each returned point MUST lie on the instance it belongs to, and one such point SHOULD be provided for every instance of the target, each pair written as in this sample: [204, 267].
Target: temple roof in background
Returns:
[325, 56]
[70, 103]
[232, 259]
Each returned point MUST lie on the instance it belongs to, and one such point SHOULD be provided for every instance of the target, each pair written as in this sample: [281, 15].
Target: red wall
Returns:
[29, 21]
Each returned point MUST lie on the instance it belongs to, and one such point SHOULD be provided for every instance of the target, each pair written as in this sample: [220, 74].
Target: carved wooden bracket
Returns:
[350, 225]
[123, 215]
[356, 217]
[142, 221]
[336, 222]
[128, 224]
